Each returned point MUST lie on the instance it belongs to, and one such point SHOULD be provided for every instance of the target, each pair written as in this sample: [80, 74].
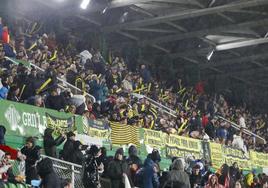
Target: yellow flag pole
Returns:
[22, 90]
[43, 85]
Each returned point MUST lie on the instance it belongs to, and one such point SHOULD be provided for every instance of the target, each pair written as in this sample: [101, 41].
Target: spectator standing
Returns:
[177, 177]
[150, 178]
[77, 155]
[195, 177]
[91, 176]
[49, 178]
[68, 147]
[117, 168]
[50, 143]
[134, 162]
[32, 153]
[235, 174]
[145, 74]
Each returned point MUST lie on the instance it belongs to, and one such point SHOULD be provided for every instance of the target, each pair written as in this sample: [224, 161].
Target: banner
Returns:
[221, 154]
[96, 129]
[60, 125]
[232, 155]
[124, 134]
[259, 159]
[154, 139]
[216, 155]
[27, 120]
[178, 146]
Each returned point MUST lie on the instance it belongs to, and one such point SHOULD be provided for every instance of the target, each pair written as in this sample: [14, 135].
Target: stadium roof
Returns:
[223, 37]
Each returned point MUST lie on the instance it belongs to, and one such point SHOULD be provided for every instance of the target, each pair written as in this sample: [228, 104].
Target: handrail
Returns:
[62, 161]
[156, 104]
[59, 79]
[237, 127]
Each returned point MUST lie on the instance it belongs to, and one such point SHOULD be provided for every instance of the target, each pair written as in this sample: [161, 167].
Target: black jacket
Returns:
[49, 178]
[50, 145]
[77, 157]
[68, 150]
[56, 102]
[91, 175]
[32, 156]
[115, 170]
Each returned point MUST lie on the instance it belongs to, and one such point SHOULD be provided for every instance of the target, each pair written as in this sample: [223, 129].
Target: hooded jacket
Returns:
[47, 174]
[217, 185]
[177, 177]
[116, 169]
[150, 179]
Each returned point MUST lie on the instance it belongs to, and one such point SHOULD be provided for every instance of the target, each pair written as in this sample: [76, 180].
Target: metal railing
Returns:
[68, 170]
[59, 79]
[173, 113]
[246, 131]
[156, 104]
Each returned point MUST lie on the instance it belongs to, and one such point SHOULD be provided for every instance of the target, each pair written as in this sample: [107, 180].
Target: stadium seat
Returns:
[21, 186]
[11, 185]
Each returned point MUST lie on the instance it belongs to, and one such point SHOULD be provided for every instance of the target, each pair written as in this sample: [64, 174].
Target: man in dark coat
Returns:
[91, 176]
[32, 153]
[50, 144]
[117, 168]
[77, 155]
[47, 174]
[134, 162]
[55, 100]
[68, 147]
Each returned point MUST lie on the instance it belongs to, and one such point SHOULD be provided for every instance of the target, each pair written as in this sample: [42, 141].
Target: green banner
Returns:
[26, 120]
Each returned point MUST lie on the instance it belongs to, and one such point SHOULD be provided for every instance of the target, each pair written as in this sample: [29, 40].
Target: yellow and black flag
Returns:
[123, 134]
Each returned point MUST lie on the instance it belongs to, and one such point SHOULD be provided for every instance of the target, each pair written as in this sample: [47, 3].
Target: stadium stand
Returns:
[83, 98]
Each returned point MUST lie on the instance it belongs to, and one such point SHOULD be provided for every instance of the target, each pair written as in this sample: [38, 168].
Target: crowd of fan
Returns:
[112, 84]
[122, 170]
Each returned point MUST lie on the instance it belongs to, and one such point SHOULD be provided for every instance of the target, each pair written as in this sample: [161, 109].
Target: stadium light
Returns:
[84, 4]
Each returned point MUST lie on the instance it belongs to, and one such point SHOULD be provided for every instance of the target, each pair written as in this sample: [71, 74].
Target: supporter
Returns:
[68, 147]
[50, 144]
[134, 162]
[235, 174]
[3, 168]
[77, 154]
[117, 168]
[55, 100]
[249, 179]
[150, 177]
[145, 74]
[213, 182]
[224, 176]
[48, 176]
[238, 184]
[91, 177]
[13, 94]
[177, 177]
[194, 125]
[32, 153]
[195, 177]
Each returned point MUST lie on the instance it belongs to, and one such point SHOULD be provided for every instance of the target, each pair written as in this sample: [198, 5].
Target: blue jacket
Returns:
[3, 93]
[150, 178]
